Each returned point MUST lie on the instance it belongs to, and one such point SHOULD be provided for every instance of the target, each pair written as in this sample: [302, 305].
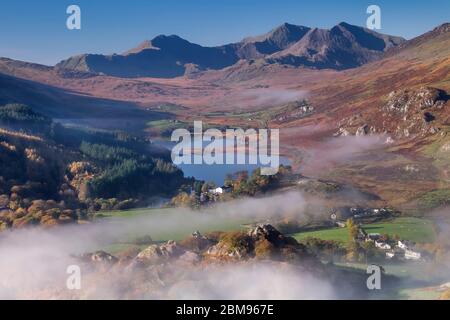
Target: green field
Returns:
[413, 229]
[166, 224]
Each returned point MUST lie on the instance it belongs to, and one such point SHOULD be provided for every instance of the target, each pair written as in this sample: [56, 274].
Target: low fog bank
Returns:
[242, 281]
[33, 262]
[264, 97]
[340, 150]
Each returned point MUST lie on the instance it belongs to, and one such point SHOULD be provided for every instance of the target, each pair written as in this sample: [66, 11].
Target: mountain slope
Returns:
[74, 106]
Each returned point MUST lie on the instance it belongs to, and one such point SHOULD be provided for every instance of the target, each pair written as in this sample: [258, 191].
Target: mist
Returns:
[340, 150]
[33, 262]
[264, 97]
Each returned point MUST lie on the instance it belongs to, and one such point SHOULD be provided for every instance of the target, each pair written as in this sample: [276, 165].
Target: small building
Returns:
[382, 245]
[220, 190]
[390, 254]
[216, 191]
[412, 255]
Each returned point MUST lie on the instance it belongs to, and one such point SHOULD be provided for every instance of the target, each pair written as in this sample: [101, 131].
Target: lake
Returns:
[215, 173]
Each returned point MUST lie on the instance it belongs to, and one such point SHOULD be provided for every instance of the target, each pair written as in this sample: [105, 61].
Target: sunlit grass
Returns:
[413, 229]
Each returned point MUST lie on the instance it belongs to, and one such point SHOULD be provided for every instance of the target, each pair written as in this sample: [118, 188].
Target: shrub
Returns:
[236, 241]
[264, 249]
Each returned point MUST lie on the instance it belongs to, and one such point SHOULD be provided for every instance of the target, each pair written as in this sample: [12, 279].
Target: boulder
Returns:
[160, 254]
[99, 257]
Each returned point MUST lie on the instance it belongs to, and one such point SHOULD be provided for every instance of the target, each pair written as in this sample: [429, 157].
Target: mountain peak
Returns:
[287, 25]
[163, 40]
[343, 24]
[167, 37]
[443, 28]
[157, 43]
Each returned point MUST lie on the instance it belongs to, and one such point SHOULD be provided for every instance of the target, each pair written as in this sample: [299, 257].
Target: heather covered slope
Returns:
[405, 98]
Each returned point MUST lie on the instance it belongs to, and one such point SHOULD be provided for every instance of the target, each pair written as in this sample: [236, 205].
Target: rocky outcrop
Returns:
[404, 114]
[157, 254]
[264, 241]
[405, 102]
[235, 246]
[198, 242]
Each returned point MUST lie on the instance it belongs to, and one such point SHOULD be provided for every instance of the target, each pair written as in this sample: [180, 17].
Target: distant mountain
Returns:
[164, 57]
[344, 46]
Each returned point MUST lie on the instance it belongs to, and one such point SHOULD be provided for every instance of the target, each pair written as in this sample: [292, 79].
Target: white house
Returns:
[412, 255]
[390, 254]
[220, 190]
[382, 245]
[216, 190]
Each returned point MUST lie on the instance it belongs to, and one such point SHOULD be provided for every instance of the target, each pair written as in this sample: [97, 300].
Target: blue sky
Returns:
[35, 30]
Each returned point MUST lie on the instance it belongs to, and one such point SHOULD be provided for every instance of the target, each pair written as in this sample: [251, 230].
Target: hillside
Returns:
[52, 174]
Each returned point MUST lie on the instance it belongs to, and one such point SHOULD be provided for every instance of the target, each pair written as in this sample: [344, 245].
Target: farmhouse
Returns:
[409, 253]
[219, 190]
[390, 254]
[412, 255]
[216, 191]
[382, 245]
[402, 245]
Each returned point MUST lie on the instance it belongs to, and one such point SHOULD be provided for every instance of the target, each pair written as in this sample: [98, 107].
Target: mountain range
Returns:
[342, 47]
